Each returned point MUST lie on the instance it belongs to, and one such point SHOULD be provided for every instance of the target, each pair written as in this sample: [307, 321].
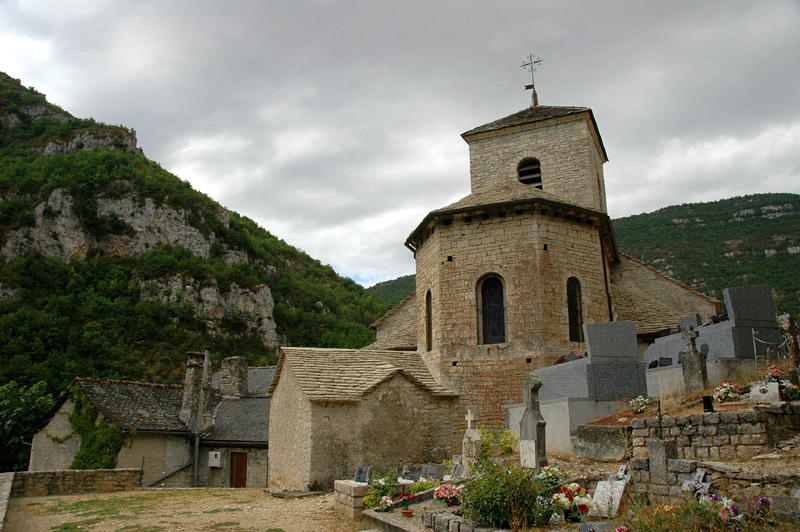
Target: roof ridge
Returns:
[672, 279]
[138, 383]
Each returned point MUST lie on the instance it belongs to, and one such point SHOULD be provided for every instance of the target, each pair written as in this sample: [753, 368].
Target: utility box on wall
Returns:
[214, 459]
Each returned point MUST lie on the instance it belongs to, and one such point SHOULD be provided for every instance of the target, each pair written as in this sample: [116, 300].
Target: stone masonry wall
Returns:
[566, 148]
[289, 435]
[717, 436]
[36, 483]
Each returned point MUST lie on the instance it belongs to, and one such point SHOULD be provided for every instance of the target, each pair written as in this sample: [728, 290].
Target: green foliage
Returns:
[20, 409]
[507, 497]
[722, 244]
[379, 488]
[101, 441]
[497, 443]
[422, 485]
[394, 291]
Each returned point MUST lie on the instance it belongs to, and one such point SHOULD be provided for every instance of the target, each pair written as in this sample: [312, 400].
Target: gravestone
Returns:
[362, 474]
[695, 374]
[765, 392]
[470, 444]
[532, 425]
[410, 472]
[607, 498]
[696, 485]
[458, 470]
[692, 321]
[426, 472]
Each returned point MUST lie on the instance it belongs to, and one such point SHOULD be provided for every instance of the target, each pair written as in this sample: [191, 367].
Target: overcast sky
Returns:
[336, 124]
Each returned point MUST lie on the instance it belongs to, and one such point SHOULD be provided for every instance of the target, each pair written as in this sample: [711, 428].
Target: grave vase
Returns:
[407, 513]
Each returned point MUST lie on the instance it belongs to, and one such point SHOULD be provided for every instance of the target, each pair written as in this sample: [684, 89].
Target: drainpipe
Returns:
[199, 424]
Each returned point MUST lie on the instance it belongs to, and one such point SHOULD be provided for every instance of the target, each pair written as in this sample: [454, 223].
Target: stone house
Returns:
[506, 277]
[157, 422]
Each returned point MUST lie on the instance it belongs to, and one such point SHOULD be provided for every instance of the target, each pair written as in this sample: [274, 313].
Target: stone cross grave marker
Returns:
[695, 374]
[471, 443]
[696, 485]
[532, 426]
[767, 392]
[362, 474]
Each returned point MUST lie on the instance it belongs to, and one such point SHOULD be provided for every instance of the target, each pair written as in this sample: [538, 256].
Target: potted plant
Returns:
[448, 494]
[385, 505]
[405, 499]
[572, 501]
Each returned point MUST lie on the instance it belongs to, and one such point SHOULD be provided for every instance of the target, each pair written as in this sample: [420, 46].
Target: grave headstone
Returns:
[664, 361]
[532, 425]
[470, 444]
[438, 471]
[570, 357]
[696, 485]
[527, 454]
[426, 472]
[708, 404]
[410, 472]
[695, 374]
[458, 470]
[362, 474]
[607, 498]
[765, 392]
[692, 321]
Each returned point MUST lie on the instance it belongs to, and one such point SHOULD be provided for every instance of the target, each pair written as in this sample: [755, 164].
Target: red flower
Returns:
[583, 508]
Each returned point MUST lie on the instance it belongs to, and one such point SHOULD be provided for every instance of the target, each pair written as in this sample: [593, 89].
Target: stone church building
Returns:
[506, 277]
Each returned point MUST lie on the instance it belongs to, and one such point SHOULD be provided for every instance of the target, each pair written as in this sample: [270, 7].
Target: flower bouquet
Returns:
[448, 494]
[386, 504]
[572, 501]
[639, 404]
[775, 374]
[726, 392]
[552, 475]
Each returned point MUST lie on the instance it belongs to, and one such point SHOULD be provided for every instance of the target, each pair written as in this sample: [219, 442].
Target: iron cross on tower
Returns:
[530, 66]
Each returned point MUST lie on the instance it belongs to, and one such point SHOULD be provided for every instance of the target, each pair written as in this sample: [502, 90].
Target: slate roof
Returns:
[531, 115]
[347, 374]
[527, 116]
[394, 310]
[258, 379]
[650, 316]
[241, 420]
[136, 405]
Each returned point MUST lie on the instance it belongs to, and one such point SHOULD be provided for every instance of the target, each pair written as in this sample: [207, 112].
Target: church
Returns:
[506, 277]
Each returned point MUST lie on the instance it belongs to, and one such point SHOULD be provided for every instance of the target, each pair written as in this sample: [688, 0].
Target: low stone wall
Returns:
[721, 436]
[35, 483]
[349, 496]
[661, 478]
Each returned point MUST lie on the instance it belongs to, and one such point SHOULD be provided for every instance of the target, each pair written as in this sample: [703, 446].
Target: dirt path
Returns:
[176, 510]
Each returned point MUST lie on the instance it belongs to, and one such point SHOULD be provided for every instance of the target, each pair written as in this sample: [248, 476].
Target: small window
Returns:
[428, 322]
[491, 311]
[529, 172]
[574, 305]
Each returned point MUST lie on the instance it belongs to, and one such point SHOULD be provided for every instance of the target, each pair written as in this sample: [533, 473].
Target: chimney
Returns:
[534, 98]
[192, 385]
[234, 377]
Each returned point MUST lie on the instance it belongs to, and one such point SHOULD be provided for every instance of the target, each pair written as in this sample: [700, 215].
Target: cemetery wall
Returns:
[290, 433]
[566, 147]
[717, 436]
[65, 482]
[668, 381]
[352, 434]
[726, 481]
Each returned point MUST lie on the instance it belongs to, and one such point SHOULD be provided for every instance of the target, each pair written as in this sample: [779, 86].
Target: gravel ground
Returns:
[176, 510]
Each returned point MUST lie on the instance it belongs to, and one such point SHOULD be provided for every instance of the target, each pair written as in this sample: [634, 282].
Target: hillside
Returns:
[113, 267]
[709, 246]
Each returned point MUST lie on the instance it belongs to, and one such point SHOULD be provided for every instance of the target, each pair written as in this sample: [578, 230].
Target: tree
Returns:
[20, 409]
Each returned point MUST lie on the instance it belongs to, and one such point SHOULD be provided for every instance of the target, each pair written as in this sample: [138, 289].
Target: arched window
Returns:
[491, 311]
[529, 172]
[428, 322]
[575, 310]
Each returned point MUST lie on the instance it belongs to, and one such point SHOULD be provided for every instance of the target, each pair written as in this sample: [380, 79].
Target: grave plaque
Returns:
[362, 474]
[765, 392]
[409, 473]
[607, 498]
[527, 453]
[438, 471]
[458, 470]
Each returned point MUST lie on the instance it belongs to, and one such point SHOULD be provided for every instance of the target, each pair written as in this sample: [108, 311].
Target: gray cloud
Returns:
[335, 124]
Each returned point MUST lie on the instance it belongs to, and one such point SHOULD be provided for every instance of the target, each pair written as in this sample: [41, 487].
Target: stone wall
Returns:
[157, 455]
[720, 436]
[220, 477]
[54, 447]
[567, 149]
[37, 483]
[664, 482]
[290, 435]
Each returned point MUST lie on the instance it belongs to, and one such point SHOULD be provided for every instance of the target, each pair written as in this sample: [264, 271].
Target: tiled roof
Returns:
[258, 379]
[394, 310]
[670, 279]
[241, 420]
[405, 340]
[650, 315]
[527, 116]
[136, 405]
[347, 374]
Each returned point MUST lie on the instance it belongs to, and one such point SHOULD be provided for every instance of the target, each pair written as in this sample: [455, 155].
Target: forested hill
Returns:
[112, 267]
[708, 246]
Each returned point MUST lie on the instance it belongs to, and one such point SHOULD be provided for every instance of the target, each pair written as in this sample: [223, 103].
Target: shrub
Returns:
[639, 404]
[507, 497]
[422, 485]
[380, 488]
[790, 393]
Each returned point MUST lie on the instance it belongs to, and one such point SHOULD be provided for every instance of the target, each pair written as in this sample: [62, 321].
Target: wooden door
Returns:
[238, 470]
